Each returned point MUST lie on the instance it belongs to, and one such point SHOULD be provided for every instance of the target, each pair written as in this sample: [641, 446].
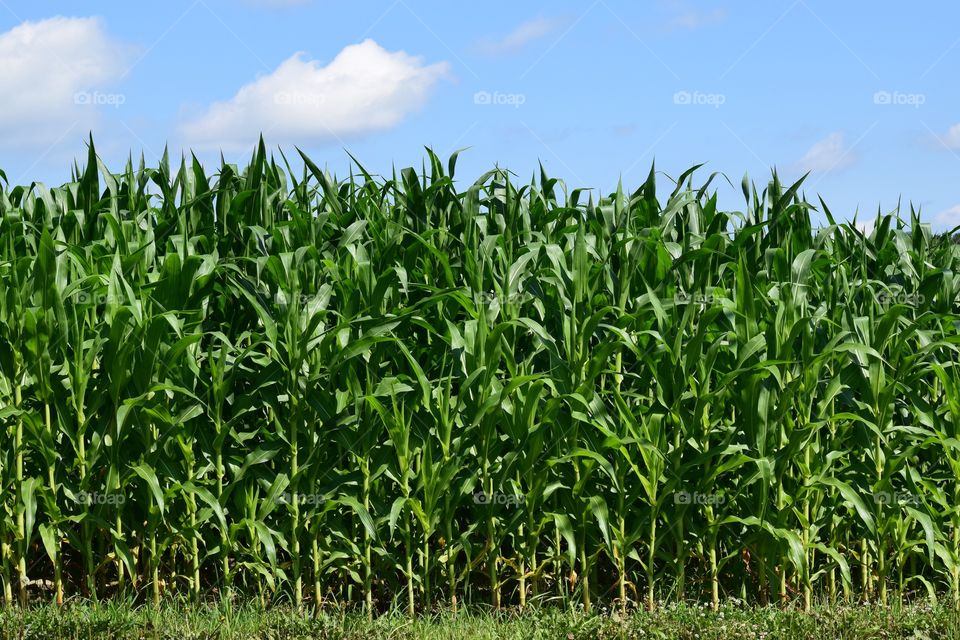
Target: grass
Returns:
[78, 620]
[403, 392]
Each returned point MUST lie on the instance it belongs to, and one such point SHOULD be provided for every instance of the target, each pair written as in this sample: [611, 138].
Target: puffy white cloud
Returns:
[829, 154]
[364, 88]
[867, 227]
[53, 73]
[520, 37]
[952, 138]
[947, 219]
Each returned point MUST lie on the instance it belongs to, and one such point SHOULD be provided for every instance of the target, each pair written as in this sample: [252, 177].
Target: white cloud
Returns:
[520, 37]
[53, 72]
[829, 154]
[364, 88]
[948, 219]
[866, 228]
[952, 138]
[693, 20]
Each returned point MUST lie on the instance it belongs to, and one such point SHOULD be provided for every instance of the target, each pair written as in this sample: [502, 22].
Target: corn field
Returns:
[412, 392]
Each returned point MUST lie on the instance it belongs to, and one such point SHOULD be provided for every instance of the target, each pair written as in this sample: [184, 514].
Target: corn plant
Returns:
[271, 382]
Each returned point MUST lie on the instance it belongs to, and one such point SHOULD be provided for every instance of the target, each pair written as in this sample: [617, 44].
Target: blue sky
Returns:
[864, 97]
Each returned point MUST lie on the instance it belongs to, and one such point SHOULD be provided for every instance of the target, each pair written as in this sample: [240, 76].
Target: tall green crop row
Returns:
[412, 391]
